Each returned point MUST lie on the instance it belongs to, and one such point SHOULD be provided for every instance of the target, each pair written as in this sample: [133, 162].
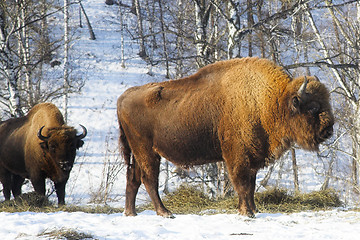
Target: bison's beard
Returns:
[312, 143]
[309, 133]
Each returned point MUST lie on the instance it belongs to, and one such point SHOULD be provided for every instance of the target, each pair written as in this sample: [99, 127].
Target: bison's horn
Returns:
[83, 134]
[301, 91]
[43, 138]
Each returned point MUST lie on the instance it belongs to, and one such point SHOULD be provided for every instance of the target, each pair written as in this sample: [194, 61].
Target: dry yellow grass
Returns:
[190, 200]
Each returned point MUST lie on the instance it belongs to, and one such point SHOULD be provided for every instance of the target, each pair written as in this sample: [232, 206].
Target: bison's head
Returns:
[310, 115]
[59, 150]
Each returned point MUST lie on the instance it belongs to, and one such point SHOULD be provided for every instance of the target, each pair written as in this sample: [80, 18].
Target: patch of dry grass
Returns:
[38, 203]
[280, 200]
[65, 233]
[190, 200]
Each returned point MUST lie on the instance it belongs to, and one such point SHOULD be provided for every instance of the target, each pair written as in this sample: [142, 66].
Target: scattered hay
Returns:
[97, 209]
[190, 200]
[64, 233]
[280, 200]
[187, 199]
[35, 202]
[26, 202]
[184, 200]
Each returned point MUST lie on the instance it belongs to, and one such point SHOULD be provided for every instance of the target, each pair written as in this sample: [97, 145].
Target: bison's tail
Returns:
[124, 146]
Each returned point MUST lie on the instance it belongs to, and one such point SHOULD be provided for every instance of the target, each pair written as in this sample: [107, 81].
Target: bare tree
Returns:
[66, 58]
[26, 66]
[202, 15]
[142, 52]
[7, 60]
[122, 29]
[347, 75]
[91, 31]
[164, 37]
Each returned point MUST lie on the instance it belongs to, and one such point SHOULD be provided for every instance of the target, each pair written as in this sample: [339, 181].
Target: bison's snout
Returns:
[326, 133]
[65, 166]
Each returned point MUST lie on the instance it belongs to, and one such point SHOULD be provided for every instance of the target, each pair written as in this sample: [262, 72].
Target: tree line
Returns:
[35, 63]
[306, 37]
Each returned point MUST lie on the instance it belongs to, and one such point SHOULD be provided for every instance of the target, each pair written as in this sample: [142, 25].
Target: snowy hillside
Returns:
[95, 108]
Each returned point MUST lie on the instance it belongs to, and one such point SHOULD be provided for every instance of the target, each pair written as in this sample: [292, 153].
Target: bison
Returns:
[37, 146]
[246, 112]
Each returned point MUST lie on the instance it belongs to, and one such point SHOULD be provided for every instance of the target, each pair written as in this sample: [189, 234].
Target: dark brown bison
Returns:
[246, 112]
[37, 146]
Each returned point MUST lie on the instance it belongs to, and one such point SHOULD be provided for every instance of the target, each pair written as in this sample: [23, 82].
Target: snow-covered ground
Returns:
[95, 108]
[320, 225]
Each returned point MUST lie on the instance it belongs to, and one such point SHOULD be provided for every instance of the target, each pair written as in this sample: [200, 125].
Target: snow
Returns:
[95, 108]
[334, 224]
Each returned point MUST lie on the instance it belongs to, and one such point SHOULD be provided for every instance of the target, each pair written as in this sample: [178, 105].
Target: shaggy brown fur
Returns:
[246, 112]
[26, 153]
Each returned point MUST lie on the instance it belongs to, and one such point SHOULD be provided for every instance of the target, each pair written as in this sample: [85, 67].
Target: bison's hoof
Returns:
[166, 214]
[130, 214]
[247, 213]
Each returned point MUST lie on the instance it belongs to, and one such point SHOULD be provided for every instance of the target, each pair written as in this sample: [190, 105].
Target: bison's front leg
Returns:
[60, 192]
[243, 189]
[38, 183]
[5, 178]
[244, 183]
[252, 194]
[17, 182]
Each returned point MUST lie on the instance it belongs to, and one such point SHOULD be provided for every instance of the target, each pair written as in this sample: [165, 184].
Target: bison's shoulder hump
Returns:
[153, 95]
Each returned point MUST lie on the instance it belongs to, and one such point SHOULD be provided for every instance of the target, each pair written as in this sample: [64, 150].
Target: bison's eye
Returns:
[52, 147]
[313, 107]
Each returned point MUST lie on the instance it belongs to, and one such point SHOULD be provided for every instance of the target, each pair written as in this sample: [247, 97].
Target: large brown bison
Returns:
[246, 112]
[37, 146]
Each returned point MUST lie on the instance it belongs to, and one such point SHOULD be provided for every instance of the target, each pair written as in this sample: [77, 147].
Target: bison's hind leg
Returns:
[150, 168]
[133, 182]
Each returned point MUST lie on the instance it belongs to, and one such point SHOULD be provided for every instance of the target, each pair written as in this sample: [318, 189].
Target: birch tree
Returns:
[233, 44]
[164, 38]
[66, 57]
[7, 61]
[202, 14]
[122, 29]
[142, 52]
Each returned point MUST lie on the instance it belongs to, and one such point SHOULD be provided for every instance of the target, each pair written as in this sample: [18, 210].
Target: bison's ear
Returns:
[79, 144]
[295, 104]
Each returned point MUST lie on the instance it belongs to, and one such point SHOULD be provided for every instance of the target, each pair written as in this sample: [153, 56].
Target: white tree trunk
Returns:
[24, 50]
[165, 50]
[180, 40]
[142, 52]
[9, 70]
[233, 25]
[66, 58]
[199, 34]
[122, 36]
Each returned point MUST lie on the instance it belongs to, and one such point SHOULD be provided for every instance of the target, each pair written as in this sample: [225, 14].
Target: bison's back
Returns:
[45, 114]
[184, 120]
[177, 118]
